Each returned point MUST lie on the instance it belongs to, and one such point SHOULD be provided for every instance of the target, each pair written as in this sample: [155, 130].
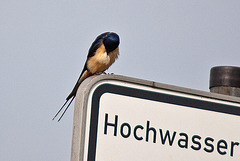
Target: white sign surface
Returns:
[127, 122]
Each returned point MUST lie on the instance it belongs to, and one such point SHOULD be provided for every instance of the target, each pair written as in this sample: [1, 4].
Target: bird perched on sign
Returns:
[101, 55]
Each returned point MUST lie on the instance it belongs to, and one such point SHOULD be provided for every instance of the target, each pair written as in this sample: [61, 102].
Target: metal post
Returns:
[225, 80]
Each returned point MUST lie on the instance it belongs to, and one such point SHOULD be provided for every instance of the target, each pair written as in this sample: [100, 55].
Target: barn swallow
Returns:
[101, 55]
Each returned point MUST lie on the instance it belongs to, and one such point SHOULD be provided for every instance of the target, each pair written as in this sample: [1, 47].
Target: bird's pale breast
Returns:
[101, 61]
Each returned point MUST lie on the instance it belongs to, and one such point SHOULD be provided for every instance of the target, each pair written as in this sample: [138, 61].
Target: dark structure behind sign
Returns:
[225, 80]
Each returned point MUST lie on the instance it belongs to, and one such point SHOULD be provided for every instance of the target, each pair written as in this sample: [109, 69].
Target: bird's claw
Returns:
[99, 73]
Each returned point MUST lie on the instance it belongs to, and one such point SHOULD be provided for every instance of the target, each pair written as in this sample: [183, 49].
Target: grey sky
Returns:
[44, 44]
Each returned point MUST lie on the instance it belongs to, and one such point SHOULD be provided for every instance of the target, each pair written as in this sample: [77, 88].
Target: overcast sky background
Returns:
[44, 43]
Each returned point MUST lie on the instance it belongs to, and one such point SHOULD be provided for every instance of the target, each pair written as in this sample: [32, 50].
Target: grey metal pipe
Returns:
[225, 80]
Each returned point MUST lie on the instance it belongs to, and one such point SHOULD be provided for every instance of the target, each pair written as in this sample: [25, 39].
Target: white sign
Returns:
[128, 122]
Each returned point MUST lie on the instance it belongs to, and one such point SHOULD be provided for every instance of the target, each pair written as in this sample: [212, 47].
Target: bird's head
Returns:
[111, 41]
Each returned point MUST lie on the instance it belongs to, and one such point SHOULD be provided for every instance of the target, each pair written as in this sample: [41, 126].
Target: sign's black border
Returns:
[149, 95]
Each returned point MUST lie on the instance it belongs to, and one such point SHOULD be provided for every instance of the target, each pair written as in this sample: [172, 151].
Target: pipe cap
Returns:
[225, 76]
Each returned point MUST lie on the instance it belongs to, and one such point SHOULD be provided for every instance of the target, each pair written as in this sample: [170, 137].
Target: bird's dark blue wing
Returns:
[96, 44]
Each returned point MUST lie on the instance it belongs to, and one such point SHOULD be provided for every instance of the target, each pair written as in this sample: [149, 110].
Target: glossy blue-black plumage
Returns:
[96, 44]
[109, 39]
[111, 42]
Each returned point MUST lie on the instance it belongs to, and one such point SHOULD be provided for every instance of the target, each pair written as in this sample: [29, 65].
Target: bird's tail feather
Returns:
[72, 95]
[62, 108]
[66, 109]
[82, 77]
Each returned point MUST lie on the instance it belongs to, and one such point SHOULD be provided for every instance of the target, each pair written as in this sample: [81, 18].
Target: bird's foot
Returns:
[99, 73]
